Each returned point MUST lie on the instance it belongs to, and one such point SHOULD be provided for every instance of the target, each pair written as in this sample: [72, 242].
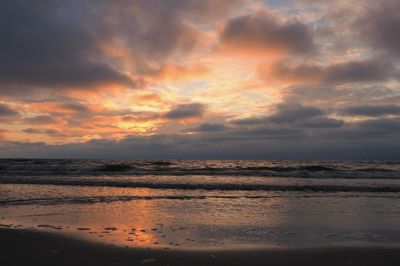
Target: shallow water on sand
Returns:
[207, 211]
[200, 219]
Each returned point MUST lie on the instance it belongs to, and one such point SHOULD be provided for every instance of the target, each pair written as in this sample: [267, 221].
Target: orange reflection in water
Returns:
[132, 223]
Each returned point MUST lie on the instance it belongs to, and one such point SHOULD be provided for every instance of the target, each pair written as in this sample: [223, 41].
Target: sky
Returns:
[200, 79]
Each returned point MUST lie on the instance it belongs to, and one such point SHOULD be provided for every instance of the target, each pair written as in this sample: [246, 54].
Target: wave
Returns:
[123, 198]
[204, 186]
[94, 199]
[115, 168]
[301, 169]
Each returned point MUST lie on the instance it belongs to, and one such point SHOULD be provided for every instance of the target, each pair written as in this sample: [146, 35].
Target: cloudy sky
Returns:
[198, 79]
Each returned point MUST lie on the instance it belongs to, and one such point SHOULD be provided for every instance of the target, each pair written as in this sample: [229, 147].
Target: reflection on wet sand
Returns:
[176, 219]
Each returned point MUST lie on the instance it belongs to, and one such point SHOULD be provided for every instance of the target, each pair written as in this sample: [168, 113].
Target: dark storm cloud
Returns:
[50, 43]
[262, 30]
[183, 111]
[371, 110]
[374, 70]
[5, 110]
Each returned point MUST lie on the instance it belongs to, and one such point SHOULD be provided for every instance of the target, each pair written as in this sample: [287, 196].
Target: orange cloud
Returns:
[177, 73]
[3, 134]
[147, 98]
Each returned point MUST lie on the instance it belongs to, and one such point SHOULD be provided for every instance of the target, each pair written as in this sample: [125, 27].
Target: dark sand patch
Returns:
[22, 247]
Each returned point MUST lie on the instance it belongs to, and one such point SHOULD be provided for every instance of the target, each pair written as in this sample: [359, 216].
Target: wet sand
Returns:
[23, 247]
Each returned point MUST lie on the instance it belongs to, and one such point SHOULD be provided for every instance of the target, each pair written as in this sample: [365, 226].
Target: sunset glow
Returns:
[131, 78]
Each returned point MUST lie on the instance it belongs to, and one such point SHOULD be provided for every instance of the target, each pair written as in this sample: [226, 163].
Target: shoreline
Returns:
[24, 247]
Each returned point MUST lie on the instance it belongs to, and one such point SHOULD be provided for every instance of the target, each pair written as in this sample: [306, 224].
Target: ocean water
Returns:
[206, 204]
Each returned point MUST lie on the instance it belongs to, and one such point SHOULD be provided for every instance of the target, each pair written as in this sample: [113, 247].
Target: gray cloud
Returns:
[288, 112]
[380, 24]
[5, 110]
[40, 120]
[373, 70]
[153, 31]
[293, 131]
[75, 107]
[56, 44]
[183, 111]
[260, 143]
[264, 31]
[61, 44]
[285, 113]
[50, 43]
[210, 127]
[371, 110]
[321, 122]
[382, 124]
[50, 132]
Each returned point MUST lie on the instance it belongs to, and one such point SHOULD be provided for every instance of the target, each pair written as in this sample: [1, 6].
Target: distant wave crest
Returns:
[301, 169]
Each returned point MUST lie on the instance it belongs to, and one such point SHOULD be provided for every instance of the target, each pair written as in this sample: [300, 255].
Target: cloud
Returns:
[371, 110]
[177, 73]
[3, 135]
[49, 131]
[263, 31]
[210, 127]
[75, 107]
[379, 25]
[373, 70]
[41, 120]
[290, 120]
[285, 113]
[260, 143]
[147, 98]
[50, 44]
[327, 86]
[141, 117]
[153, 33]
[183, 111]
[288, 112]
[389, 125]
[321, 122]
[84, 45]
[5, 110]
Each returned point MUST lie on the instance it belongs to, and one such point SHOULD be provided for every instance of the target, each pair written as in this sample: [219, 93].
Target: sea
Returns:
[205, 204]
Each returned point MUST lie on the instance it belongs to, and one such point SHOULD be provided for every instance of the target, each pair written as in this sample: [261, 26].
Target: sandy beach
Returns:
[22, 247]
